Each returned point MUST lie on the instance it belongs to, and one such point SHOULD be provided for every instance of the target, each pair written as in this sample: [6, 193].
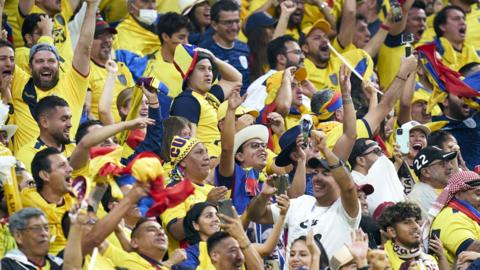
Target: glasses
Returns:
[256, 145]
[229, 22]
[377, 151]
[297, 52]
[38, 228]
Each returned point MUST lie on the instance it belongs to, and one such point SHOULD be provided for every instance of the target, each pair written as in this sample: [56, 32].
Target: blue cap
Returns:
[259, 19]
[287, 143]
[43, 47]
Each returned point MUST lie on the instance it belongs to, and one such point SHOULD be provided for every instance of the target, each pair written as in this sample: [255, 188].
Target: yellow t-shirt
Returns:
[179, 211]
[72, 86]
[165, 72]
[164, 6]
[328, 77]
[137, 262]
[97, 80]
[113, 10]
[61, 35]
[473, 27]
[133, 37]
[11, 10]
[455, 227]
[29, 150]
[455, 59]
[31, 198]
[333, 134]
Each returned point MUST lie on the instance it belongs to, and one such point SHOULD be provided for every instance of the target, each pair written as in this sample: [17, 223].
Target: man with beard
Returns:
[224, 43]
[99, 55]
[401, 224]
[138, 33]
[433, 167]
[54, 120]
[456, 217]
[30, 228]
[464, 125]
[282, 53]
[60, 11]
[7, 64]
[46, 80]
[52, 173]
[451, 31]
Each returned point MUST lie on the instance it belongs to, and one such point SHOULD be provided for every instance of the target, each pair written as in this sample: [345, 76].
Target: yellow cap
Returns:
[222, 111]
[321, 24]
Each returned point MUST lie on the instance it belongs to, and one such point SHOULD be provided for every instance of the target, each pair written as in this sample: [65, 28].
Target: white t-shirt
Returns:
[384, 179]
[333, 222]
[424, 195]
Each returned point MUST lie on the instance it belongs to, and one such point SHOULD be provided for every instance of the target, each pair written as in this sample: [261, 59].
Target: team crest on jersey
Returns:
[243, 61]
[334, 79]
[122, 79]
[60, 19]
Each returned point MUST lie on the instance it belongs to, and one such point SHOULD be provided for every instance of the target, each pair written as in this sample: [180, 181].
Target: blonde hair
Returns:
[123, 99]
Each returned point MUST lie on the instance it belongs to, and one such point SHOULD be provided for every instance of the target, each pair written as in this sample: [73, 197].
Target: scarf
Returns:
[405, 253]
[400, 257]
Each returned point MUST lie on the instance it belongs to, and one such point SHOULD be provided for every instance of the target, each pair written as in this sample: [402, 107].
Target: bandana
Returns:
[180, 148]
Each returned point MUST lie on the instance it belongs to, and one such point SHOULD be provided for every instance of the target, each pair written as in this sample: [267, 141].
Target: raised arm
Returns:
[377, 40]
[81, 56]
[394, 90]
[227, 159]
[343, 146]
[46, 26]
[348, 191]
[81, 153]
[105, 103]
[286, 9]
[284, 95]
[398, 28]
[72, 256]
[259, 210]
[107, 225]
[299, 182]
[347, 25]
[266, 248]
[405, 112]
[234, 228]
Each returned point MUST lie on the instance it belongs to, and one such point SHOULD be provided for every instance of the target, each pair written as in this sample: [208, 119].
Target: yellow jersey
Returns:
[165, 72]
[453, 58]
[98, 76]
[113, 10]
[72, 86]
[328, 77]
[179, 211]
[29, 150]
[11, 10]
[134, 261]
[455, 228]
[31, 198]
[472, 20]
[61, 35]
[133, 37]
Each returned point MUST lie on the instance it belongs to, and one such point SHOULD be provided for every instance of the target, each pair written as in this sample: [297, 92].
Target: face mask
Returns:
[147, 16]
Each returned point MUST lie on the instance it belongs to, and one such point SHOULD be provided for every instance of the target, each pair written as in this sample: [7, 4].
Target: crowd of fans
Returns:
[240, 134]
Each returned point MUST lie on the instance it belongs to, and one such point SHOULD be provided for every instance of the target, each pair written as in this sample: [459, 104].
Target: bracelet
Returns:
[400, 78]
[338, 165]
[246, 246]
[347, 101]
[385, 27]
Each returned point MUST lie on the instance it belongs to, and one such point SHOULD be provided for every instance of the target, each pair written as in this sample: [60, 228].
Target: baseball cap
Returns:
[259, 19]
[318, 163]
[340, 258]
[414, 125]
[43, 47]
[241, 110]
[429, 154]
[321, 24]
[359, 148]
[101, 26]
[366, 188]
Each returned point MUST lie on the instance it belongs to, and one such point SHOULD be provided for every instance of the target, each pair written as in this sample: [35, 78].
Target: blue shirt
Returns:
[237, 183]
[467, 133]
[236, 56]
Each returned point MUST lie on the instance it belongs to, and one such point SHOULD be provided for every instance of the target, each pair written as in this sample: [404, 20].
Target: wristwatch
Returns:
[338, 165]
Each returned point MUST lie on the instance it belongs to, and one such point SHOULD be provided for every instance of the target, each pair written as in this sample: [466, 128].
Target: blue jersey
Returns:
[237, 57]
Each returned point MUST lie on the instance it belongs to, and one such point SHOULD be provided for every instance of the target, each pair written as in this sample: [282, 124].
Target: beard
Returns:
[59, 137]
[45, 85]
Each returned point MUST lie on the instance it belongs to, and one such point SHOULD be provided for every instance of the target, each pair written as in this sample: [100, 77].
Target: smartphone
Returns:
[317, 237]
[396, 11]
[305, 127]
[402, 139]
[407, 39]
[281, 183]
[434, 235]
[225, 207]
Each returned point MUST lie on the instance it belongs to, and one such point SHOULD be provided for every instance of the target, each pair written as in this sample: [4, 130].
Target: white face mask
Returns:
[147, 16]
